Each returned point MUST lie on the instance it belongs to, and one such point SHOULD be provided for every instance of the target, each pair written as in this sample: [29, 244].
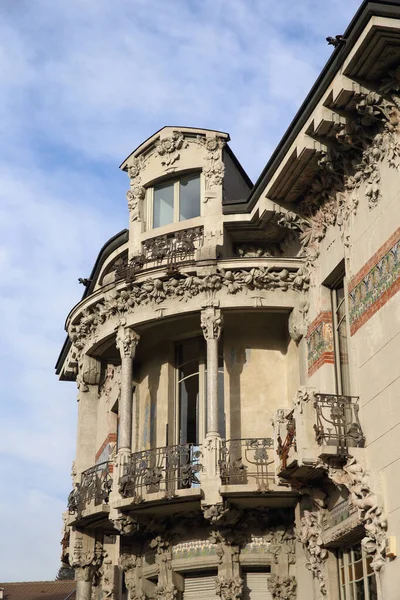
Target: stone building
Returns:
[236, 356]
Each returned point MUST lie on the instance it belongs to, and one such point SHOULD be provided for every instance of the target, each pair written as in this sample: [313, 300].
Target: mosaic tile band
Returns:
[320, 342]
[375, 283]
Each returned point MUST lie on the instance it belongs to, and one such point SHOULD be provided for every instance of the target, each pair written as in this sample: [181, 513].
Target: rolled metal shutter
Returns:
[255, 586]
[200, 587]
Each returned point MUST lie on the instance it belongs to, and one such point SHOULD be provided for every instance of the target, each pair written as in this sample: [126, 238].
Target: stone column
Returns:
[127, 341]
[211, 324]
[86, 564]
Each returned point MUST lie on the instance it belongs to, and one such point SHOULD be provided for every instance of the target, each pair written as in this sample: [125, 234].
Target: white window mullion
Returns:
[176, 202]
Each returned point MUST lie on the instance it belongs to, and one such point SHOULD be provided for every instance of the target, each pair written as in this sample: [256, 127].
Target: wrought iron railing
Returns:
[337, 422]
[245, 461]
[289, 442]
[172, 248]
[96, 484]
[165, 469]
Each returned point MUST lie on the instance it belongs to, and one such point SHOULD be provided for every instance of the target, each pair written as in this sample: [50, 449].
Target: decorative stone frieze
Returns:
[183, 288]
[284, 588]
[310, 535]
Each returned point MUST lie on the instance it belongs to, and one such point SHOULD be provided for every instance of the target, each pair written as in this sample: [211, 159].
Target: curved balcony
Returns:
[90, 497]
[164, 473]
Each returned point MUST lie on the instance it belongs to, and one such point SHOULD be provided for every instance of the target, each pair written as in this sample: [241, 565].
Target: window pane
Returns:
[163, 205]
[189, 197]
[341, 325]
[188, 359]
[373, 592]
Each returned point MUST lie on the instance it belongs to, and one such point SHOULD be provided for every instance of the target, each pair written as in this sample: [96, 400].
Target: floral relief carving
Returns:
[167, 148]
[215, 169]
[126, 341]
[310, 535]
[107, 577]
[283, 588]
[130, 564]
[136, 192]
[183, 289]
[228, 588]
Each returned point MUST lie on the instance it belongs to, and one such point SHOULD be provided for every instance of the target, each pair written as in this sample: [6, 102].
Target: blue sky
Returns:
[83, 82]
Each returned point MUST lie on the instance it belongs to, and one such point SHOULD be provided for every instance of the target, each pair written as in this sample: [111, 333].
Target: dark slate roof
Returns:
[39, 590]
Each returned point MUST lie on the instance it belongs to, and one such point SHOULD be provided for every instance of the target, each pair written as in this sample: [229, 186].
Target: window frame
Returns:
[202, 378]
[345, 564]
[175, 179]
[340, 383]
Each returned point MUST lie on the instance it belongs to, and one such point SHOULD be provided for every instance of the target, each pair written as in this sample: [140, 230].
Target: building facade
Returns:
[236, 357]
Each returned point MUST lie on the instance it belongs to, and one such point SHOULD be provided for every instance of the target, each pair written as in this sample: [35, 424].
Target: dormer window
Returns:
[175, 200]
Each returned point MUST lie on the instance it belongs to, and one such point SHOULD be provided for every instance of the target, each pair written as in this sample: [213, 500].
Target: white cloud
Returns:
[83, 83]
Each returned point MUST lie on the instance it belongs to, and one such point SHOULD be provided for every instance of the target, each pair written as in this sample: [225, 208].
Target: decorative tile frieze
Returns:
[194, 548]
[320, 342]
[375, 283]
[107, 449]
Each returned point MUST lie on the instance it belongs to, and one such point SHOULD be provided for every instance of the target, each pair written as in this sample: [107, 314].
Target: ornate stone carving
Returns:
[214, 512]
[126, 525]
[282, 587]
[107, 576]
[167, 148]
[183, 289]
[310, 535]
[298, 319]
[211, 323]
[228, 588]
[130, 563]
[136, 192]
[134, 195]
[215, 168]
[370, 513]
[247, 250]
[86, 563]
[166, 592]
[126, 341]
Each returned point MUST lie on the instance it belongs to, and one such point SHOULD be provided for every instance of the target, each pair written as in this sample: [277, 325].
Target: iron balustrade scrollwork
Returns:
[337, 422]
[165, 469]
[96, 485]
[244, 461]
[289, 441]
[172, 247]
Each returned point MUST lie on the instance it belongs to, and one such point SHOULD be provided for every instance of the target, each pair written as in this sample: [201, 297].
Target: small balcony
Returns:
[161, 473]
[247, 465]
[321, 426]
[90, 497]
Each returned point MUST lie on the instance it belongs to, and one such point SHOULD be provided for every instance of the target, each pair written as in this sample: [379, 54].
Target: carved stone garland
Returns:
[284, 588]
[86, 563]
[183, 289]
[136, 192]
[165, 589]
[131, 564]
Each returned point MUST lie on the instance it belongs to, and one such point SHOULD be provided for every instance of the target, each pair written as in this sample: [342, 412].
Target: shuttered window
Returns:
[255, 586]
[200, 586]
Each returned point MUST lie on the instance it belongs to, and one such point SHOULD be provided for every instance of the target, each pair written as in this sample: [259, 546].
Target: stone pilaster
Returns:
[87, 380]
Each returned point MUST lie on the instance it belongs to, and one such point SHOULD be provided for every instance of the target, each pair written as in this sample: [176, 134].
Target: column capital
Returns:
[211, 322]
[86, 563]
[126, 341]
